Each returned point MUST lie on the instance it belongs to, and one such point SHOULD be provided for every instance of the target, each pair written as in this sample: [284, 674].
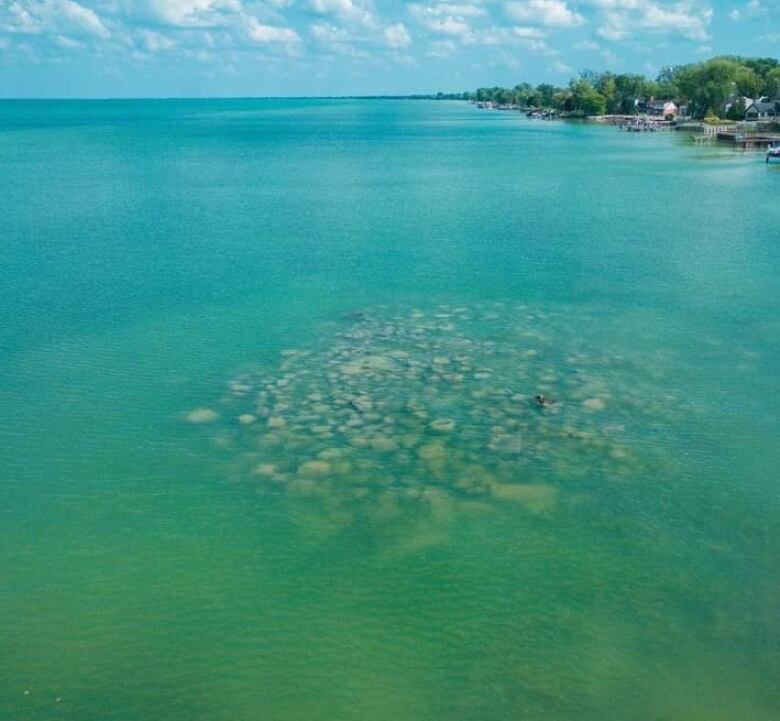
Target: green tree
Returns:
[737, 110]
[586, 99]
[608, 89]
[708, 85]
[505, 96]
[561, 100]
[667, 84]
[628, 88]
[748, 82]
[523, 92]
[772, 83]
[544, 95]
[763, 67]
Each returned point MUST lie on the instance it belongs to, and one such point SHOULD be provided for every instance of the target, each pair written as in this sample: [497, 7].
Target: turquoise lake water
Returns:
[393, 529]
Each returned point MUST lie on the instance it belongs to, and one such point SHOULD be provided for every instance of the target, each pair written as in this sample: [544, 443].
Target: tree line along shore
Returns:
[726, 87]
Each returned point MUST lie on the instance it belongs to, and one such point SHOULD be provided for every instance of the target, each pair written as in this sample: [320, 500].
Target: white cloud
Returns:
[616, 26]
[495, 36]
[317, 29]
[679, 18]
[188, 13]
[609, 57]
[68, 43]
[155, 42]
[490, 36]
[326, 33]
[81, 18]
[58, 17]
[397, 36]
[559, 67]
[464, 11]
[550, 13]
[538, 47]
[525, 32]
[751, 10]
[345, 9]
[441, 49]
[684, 18]
[434, 19]
[260, 33]
[617, 4]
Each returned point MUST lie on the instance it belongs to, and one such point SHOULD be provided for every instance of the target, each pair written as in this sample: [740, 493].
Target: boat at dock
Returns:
[642, 124]
[773, 151]
[542, 114]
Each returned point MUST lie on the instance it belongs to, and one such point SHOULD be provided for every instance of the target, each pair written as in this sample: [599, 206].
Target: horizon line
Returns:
[393, 96]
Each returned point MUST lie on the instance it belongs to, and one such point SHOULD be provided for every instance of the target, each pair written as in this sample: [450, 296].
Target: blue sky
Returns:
[151, 48]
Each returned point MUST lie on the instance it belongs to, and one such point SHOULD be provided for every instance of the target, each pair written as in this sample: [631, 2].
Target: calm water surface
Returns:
[615, 558]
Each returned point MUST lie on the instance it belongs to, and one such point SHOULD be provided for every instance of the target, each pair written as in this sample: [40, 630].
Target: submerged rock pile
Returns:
[443, 404]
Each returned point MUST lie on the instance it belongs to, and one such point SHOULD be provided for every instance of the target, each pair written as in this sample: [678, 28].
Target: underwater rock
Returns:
[361, 404]
[239, 388]
[383, 444]
[536, 497]
[408, 440]
[265, 469]
[304, 487]
[401, 402]
[432, 452]
[201, 415]
[367, 364]
[314, 468]
[331, 454]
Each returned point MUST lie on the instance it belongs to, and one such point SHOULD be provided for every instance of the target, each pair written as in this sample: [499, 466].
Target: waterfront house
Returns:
[763, 109]
[737, 101]
[662, 109]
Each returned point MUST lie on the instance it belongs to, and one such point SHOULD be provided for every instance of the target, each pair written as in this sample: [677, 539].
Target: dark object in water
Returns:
[543, 401]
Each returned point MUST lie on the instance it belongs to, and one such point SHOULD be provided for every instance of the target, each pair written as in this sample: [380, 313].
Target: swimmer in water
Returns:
[543, 401]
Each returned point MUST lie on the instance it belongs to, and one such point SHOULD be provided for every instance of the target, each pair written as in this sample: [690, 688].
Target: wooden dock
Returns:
[747, 141]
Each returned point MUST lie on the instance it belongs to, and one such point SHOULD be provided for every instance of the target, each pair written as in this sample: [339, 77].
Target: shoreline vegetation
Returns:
[727, 98]
[722, 87]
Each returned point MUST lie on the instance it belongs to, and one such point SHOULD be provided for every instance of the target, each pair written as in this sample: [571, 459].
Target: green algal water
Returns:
[271, 446]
